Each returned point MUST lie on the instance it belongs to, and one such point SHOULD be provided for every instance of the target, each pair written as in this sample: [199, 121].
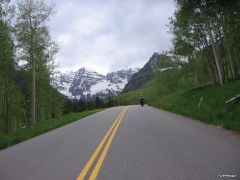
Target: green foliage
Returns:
[33, 46]
[164, 61]
[10, 102]
[212, 28]
[41, 127]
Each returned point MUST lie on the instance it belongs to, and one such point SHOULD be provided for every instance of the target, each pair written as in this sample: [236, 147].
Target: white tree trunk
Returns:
[216, 57]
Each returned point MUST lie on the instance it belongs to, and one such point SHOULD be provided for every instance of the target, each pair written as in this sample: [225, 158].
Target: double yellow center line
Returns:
[107, 140]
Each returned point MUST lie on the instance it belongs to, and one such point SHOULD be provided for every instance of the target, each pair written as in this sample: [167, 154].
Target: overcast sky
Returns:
[108, 35]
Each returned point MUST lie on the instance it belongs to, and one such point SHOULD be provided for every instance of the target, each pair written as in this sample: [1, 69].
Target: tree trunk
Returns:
[33, 93]
[236, 62]
[7, 102]
[230, 58]
[210, 60]
[33, 107]
[32, 60]
[5, 107]
[216, 57]
[212, 63]
[209, 68]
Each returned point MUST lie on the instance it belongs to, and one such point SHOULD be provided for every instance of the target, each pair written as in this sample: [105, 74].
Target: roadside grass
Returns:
[40, 128]
[212, 110]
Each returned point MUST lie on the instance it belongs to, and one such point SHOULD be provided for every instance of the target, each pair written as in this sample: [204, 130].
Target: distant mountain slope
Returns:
[87, 84]
[144, 75]
[64, 81]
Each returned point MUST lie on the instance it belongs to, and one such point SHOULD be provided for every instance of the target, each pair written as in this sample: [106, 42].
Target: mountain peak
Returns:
[82, 69]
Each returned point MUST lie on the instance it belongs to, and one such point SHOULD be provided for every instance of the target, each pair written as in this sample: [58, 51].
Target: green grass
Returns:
[213, 109]
[40, 128]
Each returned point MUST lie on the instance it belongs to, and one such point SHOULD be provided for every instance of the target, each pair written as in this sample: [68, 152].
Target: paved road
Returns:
[143, 143]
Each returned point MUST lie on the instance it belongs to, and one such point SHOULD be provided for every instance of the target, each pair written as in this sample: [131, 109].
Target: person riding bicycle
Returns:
[142, 100]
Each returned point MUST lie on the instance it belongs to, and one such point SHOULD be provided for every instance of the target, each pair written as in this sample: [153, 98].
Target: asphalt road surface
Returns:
[130, 143]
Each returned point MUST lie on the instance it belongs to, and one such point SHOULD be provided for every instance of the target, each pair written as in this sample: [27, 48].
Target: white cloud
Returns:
[108, 35]
[64, 39]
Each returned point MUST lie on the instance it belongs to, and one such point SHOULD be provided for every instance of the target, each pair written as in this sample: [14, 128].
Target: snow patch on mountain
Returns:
[63, 81]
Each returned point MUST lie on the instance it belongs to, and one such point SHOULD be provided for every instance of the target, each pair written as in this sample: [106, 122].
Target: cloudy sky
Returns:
[108, 35]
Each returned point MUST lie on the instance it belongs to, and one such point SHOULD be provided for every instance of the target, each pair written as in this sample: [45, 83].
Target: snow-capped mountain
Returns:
[87, 84]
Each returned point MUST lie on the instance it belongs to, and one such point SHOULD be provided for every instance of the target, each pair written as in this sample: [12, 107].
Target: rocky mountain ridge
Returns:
[157, 61]
[87, 84]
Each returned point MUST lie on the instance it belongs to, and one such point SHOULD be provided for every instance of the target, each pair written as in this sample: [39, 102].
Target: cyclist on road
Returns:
[142, 100]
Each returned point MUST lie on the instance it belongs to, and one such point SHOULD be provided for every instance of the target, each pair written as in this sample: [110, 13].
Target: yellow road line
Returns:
[105, 150]
[96, 152]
